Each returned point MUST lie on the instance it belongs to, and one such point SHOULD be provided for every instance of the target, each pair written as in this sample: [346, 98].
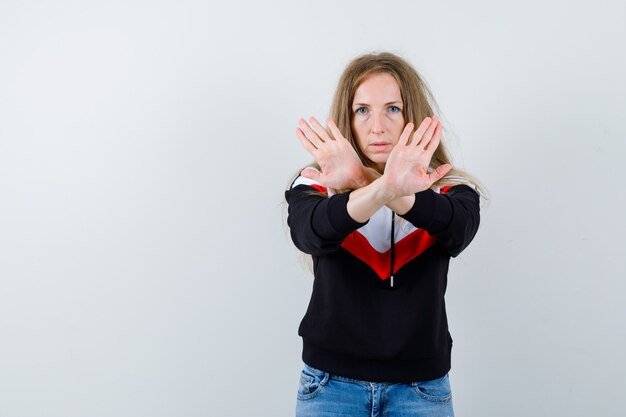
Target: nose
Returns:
[377, 123]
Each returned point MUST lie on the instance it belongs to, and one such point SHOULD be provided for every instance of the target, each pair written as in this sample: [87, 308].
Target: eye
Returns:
[395, 109]
[361, 110]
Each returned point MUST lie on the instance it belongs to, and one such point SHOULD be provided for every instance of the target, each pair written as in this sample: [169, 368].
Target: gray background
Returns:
[145, 269]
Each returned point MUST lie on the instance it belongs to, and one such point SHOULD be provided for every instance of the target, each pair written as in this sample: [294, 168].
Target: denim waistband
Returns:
[345, 378]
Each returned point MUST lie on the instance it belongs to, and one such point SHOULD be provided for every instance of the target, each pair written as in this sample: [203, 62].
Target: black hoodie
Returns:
[377, 310]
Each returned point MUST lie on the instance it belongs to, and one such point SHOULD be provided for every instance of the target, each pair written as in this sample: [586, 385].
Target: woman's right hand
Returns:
[406, 173]
[340, 166]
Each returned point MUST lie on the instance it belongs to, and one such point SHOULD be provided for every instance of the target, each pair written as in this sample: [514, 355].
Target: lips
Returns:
[380, 146]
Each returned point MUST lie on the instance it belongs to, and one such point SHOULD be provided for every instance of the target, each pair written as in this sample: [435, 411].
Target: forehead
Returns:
[378, 88]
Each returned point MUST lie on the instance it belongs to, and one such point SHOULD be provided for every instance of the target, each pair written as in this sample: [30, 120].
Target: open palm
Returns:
[340, 166]
[406, 171]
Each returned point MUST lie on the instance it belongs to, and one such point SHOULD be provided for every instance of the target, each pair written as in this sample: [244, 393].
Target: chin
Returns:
[379, 160]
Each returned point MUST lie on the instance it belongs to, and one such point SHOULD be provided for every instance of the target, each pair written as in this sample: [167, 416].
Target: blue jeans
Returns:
[321, 394]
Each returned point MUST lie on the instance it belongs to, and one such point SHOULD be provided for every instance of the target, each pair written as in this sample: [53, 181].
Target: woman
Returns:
[381, 214]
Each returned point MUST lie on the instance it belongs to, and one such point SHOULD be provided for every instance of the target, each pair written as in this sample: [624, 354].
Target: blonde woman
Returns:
[381, 213]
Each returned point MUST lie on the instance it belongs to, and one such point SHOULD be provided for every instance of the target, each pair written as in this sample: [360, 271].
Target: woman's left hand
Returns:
[340, 166]
[406, 171]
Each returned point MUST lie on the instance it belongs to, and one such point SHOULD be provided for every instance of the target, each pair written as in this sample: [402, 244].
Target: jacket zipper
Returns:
[393, 244]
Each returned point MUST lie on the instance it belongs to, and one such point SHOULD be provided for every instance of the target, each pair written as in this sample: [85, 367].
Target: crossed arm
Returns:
[405, 173]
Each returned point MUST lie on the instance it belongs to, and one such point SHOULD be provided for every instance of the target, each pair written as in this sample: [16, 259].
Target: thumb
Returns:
[440, 171]
[310, 173]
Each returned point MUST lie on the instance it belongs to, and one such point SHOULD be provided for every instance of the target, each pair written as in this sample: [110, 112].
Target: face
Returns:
[377, 119]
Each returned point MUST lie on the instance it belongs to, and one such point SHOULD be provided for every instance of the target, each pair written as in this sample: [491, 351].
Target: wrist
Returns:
[390, 186]
[383, 192]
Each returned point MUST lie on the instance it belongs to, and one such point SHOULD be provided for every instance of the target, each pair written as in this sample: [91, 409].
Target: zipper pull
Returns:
[392, 281]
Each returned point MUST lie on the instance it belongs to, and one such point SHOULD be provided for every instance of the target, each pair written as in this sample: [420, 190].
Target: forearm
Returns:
[452, 217]
[318, 224]
[366, 201]
[400, 205]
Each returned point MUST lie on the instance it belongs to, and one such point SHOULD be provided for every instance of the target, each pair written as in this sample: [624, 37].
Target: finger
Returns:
[423, 142]
[310, 173]
[427, 134]
[420, 130]
[310, 133]
[306, 143]
[434, 142]
[334, 129]
[406, 134]
[439, 172]
[319, 129]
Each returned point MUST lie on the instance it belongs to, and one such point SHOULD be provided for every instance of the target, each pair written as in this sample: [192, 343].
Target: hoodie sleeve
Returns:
[318, 223]
[452, 217]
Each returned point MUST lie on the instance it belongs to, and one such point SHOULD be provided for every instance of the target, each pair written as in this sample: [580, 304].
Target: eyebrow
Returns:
[386, 104]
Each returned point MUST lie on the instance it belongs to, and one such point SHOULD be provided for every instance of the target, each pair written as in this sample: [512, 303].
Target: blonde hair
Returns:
[418, 104]
[417, 98]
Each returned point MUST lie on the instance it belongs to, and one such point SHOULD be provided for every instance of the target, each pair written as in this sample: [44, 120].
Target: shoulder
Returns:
[300, 180]
[454, 184]
[305, 189]
[451, 181]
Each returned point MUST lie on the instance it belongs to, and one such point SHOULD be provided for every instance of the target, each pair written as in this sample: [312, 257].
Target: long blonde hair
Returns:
[418, 102]
[417, 99]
